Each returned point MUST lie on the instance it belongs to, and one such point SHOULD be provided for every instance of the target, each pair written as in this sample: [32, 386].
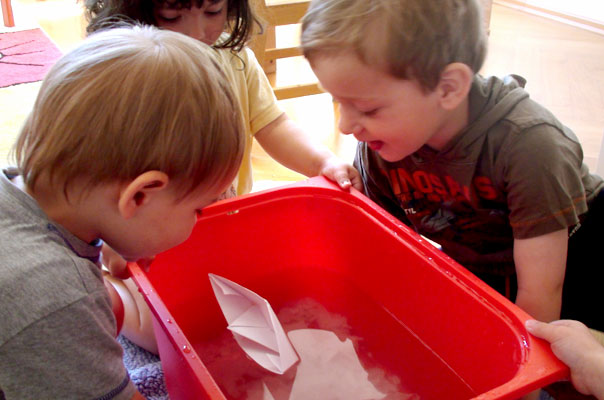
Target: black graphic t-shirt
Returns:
[514, 172]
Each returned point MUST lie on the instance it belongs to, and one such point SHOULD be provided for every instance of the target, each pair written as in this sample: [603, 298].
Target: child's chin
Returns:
[389, 156]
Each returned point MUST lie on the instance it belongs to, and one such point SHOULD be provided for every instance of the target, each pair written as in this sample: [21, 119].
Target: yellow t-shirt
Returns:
[258, 103]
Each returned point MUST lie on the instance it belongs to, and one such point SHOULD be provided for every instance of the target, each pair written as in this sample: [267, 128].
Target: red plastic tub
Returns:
[424, 318]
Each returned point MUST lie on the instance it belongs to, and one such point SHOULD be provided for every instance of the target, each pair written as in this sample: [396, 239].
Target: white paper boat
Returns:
[254, 325]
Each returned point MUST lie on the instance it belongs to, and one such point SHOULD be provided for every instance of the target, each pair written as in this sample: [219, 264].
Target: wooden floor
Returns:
[564, 67]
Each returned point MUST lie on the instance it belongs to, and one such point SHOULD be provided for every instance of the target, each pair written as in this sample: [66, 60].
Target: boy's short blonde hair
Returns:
[409, 39]
[130, 100]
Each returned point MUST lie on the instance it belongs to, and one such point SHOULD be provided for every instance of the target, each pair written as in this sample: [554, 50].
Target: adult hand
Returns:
[573, 344]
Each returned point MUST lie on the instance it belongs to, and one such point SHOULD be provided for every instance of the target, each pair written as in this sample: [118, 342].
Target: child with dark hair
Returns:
[227, 25]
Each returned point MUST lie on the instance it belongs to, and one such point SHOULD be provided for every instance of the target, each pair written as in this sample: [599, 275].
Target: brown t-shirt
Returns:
[514, 172]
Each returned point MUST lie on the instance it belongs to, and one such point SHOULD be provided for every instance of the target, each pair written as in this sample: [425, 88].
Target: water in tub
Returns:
[332, 365]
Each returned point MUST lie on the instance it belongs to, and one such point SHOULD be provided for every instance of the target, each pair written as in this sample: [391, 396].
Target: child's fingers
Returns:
[351, 178]
[357, 183]
[114, 262]
[341, 178]
[145, 263]
[344, 183]
[355, 178]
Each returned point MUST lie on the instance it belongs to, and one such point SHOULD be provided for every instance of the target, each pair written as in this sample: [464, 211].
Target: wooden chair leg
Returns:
[7, 13]
[279, 13]
[258, 46]
[270, 64]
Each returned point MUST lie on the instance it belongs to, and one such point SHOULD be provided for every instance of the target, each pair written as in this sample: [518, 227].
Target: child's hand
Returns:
[116, 264]
[228, 194]
[574, 345]
[345, 175]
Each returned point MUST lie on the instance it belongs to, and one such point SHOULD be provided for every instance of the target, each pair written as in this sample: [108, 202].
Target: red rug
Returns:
[25, 56]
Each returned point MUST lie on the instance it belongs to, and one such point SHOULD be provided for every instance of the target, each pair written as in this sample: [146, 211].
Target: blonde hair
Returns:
[129, 100]
[409, 39]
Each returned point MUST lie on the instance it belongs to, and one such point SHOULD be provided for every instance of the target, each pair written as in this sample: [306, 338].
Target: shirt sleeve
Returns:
[263, 105]
[543, 182]
[70, 353]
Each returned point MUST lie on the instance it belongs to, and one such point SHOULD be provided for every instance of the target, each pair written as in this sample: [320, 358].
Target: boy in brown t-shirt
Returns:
[470, 162]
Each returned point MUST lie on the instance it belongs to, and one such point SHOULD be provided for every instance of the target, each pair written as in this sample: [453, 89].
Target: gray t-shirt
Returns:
[57, 328]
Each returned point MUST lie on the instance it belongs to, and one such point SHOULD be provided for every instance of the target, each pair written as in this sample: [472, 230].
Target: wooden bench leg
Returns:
[7, 13]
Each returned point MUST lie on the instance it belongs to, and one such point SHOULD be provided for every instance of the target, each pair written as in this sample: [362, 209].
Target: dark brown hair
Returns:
[102, 14]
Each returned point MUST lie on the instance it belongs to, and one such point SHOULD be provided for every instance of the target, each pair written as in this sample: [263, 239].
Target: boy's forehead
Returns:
[349, 78]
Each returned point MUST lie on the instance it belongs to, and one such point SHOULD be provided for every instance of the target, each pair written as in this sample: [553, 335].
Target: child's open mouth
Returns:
[375, 145]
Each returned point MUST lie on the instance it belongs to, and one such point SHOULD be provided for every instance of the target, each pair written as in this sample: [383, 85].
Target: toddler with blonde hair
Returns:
[132, 134]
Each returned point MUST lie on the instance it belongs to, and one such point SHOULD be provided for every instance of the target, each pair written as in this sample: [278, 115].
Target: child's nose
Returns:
[347, 122]
[197, 30]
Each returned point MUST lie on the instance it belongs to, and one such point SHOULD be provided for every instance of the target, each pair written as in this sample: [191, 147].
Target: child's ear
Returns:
[138, 192]
[454, 85]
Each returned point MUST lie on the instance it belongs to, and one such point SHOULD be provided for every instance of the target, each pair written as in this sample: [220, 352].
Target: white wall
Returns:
[588, 9]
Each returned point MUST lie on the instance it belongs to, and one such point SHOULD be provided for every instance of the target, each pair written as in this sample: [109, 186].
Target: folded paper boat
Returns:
[254, 325]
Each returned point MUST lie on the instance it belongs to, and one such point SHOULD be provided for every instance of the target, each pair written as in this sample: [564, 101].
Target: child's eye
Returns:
[169, 19]
[213, 13]
[371, 112]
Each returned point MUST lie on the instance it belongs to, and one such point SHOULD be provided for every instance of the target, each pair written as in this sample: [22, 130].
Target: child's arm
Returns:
[136, 316]
[287, 143]
[540, 267]
[574, 345]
